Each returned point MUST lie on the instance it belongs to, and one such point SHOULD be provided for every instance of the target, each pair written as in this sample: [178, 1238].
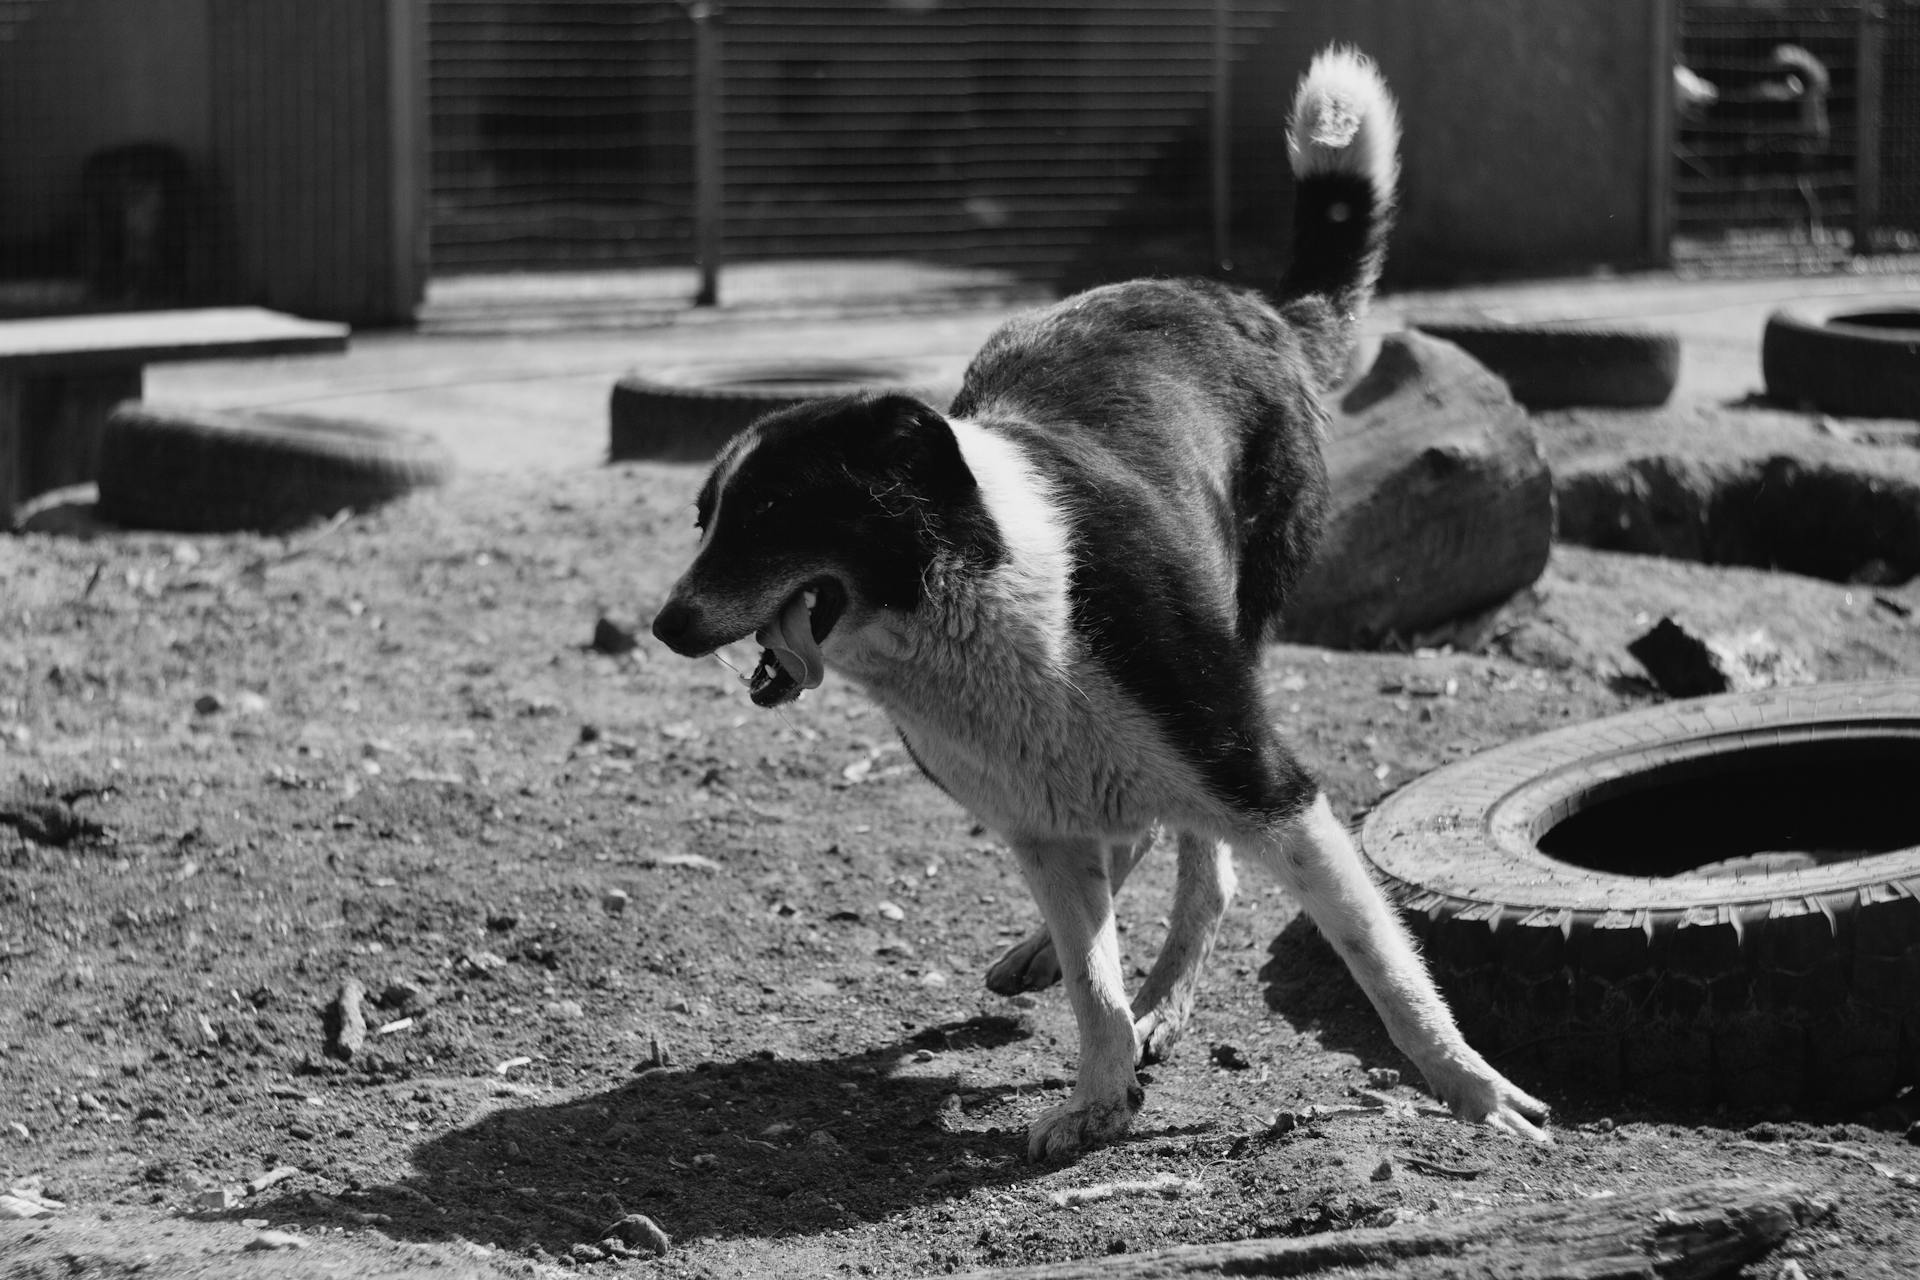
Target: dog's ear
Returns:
[915, 442]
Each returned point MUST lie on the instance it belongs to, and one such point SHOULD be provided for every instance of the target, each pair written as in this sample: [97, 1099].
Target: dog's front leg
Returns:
[1069, 878]
[1316, 858]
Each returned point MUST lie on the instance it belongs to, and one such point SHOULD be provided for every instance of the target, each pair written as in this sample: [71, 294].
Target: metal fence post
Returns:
[708, 142]
[1866, 152]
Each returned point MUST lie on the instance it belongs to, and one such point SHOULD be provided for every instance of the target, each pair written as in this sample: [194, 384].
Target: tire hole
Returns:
[1784, 807]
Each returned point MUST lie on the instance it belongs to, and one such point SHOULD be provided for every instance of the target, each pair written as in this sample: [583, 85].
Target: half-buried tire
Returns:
[685, 413]
[1708, 901]
[211, 470]
[1860, 361]
[1555, 366]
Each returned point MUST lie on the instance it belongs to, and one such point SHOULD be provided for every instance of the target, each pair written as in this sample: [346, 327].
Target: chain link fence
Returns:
[1798, 137]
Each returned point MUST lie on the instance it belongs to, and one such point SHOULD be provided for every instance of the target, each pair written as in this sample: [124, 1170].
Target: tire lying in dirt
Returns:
[1858, 362]
[1549, 366]
[213, 470]
[1709, 901]
[685, 414]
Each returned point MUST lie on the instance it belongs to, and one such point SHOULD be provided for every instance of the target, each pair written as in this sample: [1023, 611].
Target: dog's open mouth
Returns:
[792, 663]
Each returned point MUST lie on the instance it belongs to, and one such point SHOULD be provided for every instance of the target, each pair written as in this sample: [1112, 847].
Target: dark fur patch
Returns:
[1177, 424]
[875, 485]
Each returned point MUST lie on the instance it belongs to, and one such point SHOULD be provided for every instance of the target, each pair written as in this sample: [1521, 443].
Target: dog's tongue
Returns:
[789, 638]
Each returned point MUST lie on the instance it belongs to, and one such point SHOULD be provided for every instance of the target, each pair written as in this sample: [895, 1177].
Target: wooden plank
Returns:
[69, 343]
[1705, 1229]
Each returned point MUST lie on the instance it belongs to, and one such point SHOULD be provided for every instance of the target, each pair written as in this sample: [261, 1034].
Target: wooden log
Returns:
[1678, 1233]
[1442, 504]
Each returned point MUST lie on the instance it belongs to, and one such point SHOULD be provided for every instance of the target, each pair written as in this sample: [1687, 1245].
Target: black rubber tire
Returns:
[1549, 366]
[215, 470]
[684, 414]
[1747, 985]
[1858, 361]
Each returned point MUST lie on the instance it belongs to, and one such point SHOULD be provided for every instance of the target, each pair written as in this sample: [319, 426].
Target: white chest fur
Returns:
[994, 693]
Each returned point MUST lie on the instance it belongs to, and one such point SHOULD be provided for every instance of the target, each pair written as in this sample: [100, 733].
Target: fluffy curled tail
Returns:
[1343, 141]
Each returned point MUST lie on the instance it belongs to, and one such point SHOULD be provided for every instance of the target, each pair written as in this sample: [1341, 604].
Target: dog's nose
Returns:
[671, 625]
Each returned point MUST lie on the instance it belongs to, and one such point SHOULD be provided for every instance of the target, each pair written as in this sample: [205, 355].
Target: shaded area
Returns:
[758, 1147]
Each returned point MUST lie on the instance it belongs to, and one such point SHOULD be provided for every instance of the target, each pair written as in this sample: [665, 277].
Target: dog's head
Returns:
[815, 522]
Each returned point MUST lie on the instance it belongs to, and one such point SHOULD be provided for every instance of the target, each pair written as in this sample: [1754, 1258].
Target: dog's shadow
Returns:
[757, 1147]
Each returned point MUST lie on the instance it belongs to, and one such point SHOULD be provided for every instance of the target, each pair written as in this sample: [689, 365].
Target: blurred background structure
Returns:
[334, 159]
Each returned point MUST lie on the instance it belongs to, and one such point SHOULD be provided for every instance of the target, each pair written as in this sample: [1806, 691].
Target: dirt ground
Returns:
[632, 946]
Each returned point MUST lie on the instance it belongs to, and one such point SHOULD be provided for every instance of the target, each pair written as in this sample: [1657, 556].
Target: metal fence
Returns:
[1799, 134]
[1008, 133]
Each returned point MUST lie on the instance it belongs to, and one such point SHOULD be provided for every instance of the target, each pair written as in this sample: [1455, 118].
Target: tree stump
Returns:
[1442, 503]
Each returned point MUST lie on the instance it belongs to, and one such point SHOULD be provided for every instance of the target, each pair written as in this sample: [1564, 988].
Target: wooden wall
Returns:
[320, 144]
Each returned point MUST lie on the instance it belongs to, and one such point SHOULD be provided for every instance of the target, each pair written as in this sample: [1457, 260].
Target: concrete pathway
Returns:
[513, 373]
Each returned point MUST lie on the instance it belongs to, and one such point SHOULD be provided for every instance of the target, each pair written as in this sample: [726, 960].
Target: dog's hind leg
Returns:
[1203, 888]
[1316, 858]
[1069, 879]
[1030, 964]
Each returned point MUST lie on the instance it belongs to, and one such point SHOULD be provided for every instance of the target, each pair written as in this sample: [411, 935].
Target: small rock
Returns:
[209, 704]
[482, 962]
[642, 1233]
[90, 1103]
[406, 998]
[1383, 1078]
[587, 1253]
[217, 1199]
[272, 1177]
[615, 636]
[568, 1009]
[1913, 1133]
[821, 1138]
[679, 1004]
[614, 901]
[25, 1134]
[1229, 1057]
[345, 1021]
[1382, 1172]
[271, 1240]
[1685, 664]
[658, 1054]
[891, 911]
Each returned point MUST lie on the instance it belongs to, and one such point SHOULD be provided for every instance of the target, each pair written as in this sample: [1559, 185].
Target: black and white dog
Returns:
[1059, 589]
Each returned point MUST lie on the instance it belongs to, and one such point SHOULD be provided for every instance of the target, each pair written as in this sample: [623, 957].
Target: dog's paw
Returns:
[1157, 1031]
[1078, 1125]
[1478, 1094]
[1028, 965]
